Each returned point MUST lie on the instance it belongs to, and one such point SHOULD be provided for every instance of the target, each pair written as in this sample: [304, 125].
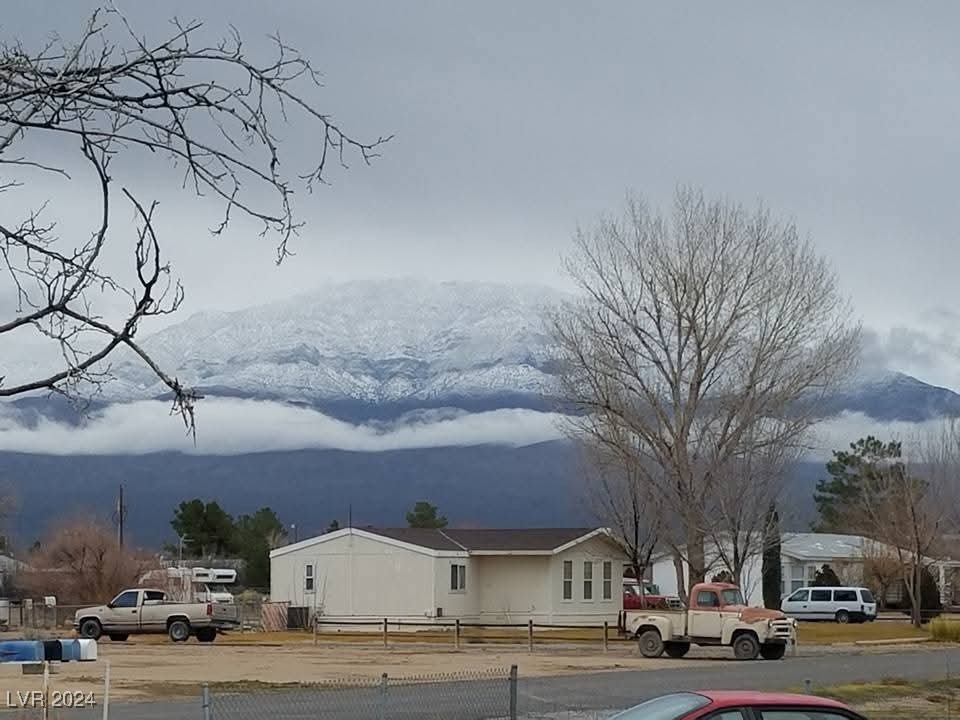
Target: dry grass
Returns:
[896, 697]
[945, 629]
[830, 633]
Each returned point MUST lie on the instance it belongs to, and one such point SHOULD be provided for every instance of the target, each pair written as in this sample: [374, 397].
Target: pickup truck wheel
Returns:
[119, 638]
[746, 647]
[206, 634]
[773, 651]
[843, 617]
[676, 649]
[90, 629]
[179, 631]
[651, 644]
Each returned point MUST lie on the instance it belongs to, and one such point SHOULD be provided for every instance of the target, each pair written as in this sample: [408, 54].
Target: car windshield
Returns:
[867, 596]
[732, 597]
[668, 707]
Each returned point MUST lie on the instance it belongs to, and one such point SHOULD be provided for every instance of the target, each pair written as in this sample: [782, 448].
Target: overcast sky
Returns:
[514, 122]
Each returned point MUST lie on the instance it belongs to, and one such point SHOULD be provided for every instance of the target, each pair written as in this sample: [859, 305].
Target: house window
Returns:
[568, 580]
[588, 580]
[796, 577]
[308, 578]
[607, 580]
[458, 578]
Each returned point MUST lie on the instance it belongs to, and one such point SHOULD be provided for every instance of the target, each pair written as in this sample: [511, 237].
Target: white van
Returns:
[842, 604]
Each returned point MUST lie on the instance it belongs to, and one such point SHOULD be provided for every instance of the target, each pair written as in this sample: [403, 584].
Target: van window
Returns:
[799, 596]
[867, 596]
[820, 595]
[845, 595]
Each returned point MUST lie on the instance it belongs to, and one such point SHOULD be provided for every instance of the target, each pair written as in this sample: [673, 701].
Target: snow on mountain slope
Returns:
[373, 341]
[368, 349]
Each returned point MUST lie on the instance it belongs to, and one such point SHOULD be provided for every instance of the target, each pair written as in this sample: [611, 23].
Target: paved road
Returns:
[556, 697]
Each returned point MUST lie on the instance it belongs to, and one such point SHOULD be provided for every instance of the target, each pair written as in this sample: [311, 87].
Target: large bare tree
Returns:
[80, 561]
[112, 99]
[707, 335]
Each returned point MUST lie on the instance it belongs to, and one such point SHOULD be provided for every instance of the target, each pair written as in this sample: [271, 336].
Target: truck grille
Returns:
[782, 629]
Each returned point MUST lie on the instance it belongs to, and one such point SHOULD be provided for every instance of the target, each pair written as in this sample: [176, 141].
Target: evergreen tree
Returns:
[252, 538]
[826, 577]
[205, 528]
[772, 570]
[848, 471]
[424, 515]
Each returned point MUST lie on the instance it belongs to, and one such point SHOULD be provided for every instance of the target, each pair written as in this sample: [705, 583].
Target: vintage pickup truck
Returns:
[715, 615]
[147, 610]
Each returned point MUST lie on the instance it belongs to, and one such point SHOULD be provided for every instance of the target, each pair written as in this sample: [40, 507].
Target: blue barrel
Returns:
[32, 651]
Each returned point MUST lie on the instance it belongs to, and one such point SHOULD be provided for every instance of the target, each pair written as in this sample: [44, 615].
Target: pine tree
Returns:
[848, 470]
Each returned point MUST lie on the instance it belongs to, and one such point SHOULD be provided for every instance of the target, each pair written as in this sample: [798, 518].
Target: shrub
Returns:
[945, 630]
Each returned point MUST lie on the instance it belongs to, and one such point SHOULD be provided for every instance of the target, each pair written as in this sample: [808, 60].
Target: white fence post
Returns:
[106, 691]
[45, 710]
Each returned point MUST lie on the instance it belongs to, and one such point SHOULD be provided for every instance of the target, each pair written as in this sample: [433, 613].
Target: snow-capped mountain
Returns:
[369, 341]
[395, 345]
[894, 396]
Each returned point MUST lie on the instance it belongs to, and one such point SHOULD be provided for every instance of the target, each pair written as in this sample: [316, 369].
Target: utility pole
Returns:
[121, 514]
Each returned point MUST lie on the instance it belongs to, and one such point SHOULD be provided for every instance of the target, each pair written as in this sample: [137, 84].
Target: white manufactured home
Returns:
[548, 575]
[801, 556]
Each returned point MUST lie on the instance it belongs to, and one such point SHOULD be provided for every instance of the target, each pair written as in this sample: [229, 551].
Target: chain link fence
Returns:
[497, 694]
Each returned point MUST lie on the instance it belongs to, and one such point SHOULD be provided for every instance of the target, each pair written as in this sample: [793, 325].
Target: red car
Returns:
[736, 705]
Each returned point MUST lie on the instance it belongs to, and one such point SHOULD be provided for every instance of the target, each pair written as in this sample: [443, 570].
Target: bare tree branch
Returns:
[204, 107]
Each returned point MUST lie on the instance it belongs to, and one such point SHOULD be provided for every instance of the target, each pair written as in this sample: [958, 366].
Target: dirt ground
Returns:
[141, 670]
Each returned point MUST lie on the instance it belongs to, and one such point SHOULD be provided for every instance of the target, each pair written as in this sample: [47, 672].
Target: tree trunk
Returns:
[696, 556]
[681, 580]
[915, 596]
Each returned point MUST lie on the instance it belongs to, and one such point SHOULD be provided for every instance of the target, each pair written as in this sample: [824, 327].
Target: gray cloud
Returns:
[837, 433]
[514, 122]
[232, 426]
[928, 352]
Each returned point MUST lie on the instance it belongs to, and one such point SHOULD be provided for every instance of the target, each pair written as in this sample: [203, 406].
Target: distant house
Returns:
[801, 556]
[559, 575]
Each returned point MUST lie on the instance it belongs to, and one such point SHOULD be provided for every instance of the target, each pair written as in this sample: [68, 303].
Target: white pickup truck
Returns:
[716, 615]
[147, 610]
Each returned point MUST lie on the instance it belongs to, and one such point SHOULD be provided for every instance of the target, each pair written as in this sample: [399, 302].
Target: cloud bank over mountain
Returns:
[230, 426]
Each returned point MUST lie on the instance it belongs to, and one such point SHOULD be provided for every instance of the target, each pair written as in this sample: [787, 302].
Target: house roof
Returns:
[813, 546]
[541, 540]
[810, 546]
[522, 541]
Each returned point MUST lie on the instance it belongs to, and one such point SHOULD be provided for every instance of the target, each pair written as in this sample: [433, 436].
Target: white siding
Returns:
[514, 588]
[579, 609]
[456, 603]
[364, 577]
[357, 576]
[665, 576]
